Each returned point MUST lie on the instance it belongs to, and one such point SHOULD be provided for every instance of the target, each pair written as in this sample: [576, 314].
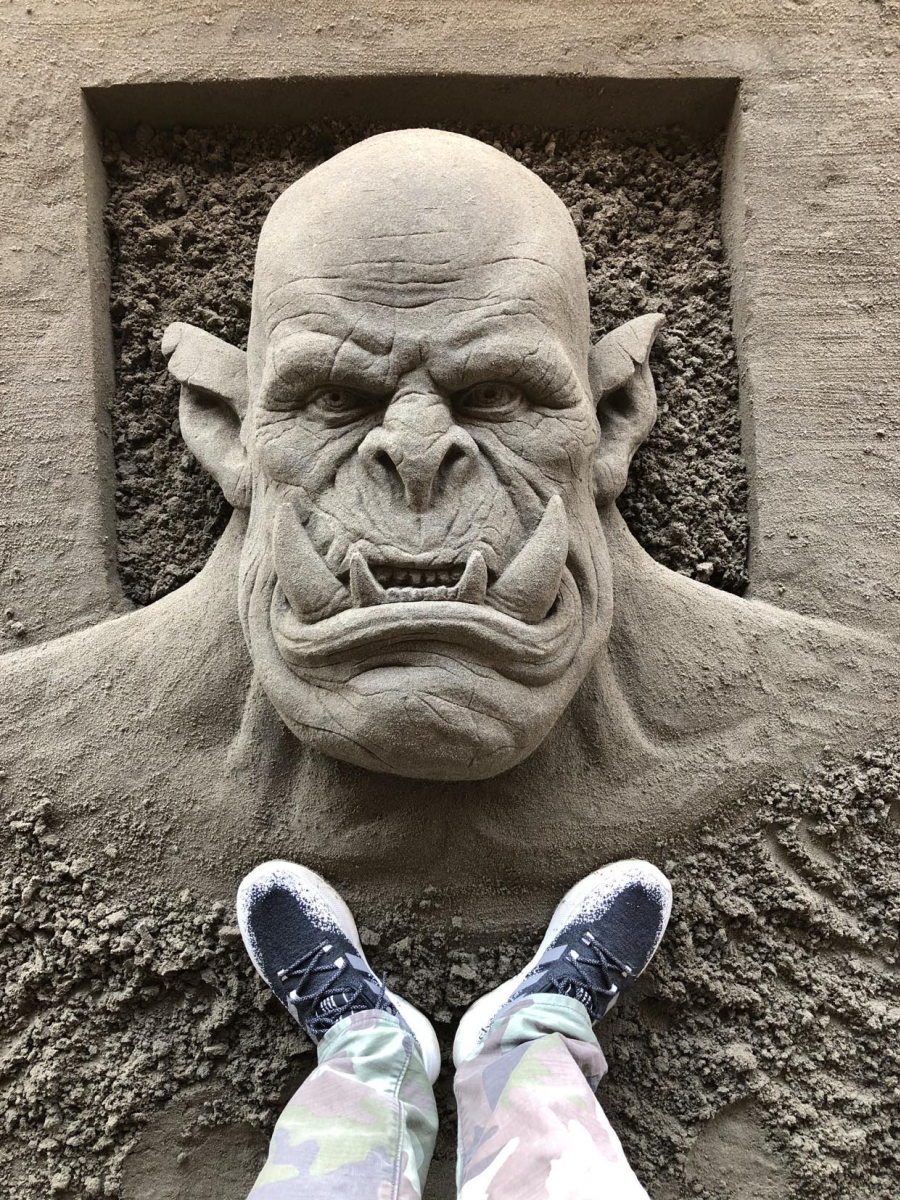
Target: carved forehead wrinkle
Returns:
[420, 216]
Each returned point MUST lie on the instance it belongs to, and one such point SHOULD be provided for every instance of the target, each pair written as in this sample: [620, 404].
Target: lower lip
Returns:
[492, 635]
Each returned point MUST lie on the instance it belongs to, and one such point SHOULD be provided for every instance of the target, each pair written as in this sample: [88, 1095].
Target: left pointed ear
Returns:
[623, 391]
[213, 403]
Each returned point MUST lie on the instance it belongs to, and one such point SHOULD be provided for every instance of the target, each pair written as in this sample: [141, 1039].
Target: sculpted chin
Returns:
[426, 575]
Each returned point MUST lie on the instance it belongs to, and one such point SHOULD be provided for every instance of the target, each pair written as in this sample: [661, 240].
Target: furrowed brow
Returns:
[535, 362]
[307, 359]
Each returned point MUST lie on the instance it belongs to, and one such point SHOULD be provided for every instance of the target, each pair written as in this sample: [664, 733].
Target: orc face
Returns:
[425, 578]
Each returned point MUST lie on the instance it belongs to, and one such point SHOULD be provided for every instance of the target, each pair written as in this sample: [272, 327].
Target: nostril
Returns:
[454, 455]
[383, 459]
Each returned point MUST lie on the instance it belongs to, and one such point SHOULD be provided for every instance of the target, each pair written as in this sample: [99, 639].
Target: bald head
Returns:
[417, 218]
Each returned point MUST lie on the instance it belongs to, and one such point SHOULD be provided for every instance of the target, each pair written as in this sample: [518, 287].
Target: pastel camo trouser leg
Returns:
[530, 1126]
[362, 1126]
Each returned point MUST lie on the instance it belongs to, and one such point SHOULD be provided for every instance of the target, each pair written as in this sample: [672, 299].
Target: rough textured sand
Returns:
[760, 1053]
[184, 214]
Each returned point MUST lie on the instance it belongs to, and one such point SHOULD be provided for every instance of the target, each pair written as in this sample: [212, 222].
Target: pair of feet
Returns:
[303, 941]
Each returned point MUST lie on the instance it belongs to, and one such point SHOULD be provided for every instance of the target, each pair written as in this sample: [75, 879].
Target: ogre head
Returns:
[426, 442]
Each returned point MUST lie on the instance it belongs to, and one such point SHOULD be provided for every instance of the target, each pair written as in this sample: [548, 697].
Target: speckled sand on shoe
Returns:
[303, 941]
[604, 932]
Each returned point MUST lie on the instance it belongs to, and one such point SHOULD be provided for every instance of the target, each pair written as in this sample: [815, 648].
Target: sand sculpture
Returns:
[423, 453]
[427, 656]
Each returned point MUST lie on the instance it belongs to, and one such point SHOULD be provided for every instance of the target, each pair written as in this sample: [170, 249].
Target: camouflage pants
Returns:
[362, 1126]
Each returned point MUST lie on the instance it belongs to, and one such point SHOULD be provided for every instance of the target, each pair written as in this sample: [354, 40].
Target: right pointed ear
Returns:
[622, 385]
[214, 399]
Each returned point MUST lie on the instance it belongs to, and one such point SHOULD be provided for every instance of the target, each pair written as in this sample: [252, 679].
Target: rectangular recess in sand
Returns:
[57, 534]
[183, 216]
[89, 588]
[808, 203]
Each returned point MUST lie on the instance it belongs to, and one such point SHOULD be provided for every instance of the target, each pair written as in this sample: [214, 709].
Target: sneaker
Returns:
[303, 941]
[600, 939]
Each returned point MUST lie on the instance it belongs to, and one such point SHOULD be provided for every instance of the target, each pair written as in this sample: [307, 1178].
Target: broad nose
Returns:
[419, 445]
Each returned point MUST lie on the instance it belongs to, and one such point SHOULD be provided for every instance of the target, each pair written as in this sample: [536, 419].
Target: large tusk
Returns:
[472, 586]
[310, 588]
[365, 589]
[529, 586]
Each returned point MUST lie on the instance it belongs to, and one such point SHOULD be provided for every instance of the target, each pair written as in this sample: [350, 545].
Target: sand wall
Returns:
[138, 1057]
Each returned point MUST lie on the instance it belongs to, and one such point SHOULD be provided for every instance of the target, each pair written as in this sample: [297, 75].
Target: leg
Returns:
[362, 1125]
[530, 1125]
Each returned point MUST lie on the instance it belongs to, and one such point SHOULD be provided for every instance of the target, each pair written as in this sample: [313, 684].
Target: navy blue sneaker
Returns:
[603, 934]
[303, 941]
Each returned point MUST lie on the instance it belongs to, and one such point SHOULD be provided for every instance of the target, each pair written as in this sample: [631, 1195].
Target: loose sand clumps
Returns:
[142, 1057]
[184, 214]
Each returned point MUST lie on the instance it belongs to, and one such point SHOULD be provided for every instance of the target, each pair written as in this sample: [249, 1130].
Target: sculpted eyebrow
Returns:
[313, 359]
[543, 369]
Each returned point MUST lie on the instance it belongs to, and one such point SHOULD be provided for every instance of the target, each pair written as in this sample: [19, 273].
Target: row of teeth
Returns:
[527, 588]
[404, 594]
[399, 577]
[366, 588]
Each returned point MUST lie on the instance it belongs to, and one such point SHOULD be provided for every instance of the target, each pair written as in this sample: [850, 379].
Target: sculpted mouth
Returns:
[526, 589]
[386, 583]
[411, 579]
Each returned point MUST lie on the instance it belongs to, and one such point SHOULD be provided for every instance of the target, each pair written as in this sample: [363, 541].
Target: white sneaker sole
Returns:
[599, 886]
[312, 887]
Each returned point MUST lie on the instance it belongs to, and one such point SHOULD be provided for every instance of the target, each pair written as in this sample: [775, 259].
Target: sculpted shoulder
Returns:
[133, 684]
[693, 659]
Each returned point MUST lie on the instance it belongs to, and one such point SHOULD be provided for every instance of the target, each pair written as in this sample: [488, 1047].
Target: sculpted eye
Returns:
[338, 405]
[490, 401]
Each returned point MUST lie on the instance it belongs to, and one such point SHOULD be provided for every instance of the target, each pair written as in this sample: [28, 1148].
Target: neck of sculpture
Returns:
[625, 736]
[670, 708]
